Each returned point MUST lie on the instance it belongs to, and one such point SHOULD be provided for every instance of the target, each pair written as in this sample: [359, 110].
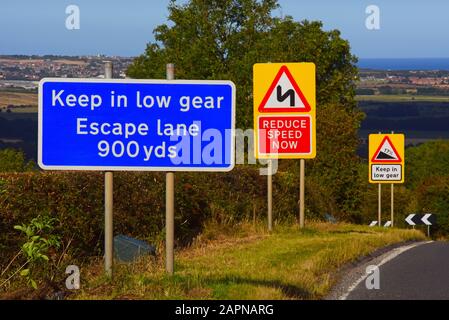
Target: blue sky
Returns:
[410, 29]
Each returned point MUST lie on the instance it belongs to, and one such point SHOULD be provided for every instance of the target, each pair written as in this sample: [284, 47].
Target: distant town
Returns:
[25, 71]
[22, 72]
[381, 82]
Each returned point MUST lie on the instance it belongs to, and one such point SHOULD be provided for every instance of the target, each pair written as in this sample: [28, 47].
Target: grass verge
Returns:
[246, 263]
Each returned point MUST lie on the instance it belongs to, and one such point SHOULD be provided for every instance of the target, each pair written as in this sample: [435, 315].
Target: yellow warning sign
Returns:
[386, 158]
[284, 110]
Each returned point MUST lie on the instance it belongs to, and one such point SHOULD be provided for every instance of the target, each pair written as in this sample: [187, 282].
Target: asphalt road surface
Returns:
[420, 273]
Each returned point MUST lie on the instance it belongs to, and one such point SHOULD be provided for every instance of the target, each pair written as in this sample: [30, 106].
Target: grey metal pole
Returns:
[108, 203]
[392, 201]
[301, 192]
[170, 203]
[392, 205]
[270, 194]
[379, 206]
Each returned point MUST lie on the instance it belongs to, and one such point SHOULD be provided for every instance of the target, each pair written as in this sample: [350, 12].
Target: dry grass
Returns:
[246, 262]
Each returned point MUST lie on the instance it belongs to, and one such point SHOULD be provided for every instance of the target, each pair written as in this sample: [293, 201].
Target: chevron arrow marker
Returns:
[409, 219]
[373, 223]
[425, 219]
[387, 224]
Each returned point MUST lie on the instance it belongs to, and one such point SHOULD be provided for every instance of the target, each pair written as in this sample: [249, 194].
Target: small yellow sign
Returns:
[386, 158]
[284, 110]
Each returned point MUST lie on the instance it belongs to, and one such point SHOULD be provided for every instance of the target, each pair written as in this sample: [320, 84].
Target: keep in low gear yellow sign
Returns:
[386, 158]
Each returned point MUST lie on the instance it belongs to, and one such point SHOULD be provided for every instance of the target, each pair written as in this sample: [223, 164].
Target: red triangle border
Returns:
[285, 70]
[373, 159]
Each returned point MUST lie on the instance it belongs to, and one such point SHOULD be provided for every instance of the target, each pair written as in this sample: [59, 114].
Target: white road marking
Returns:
[393, 254]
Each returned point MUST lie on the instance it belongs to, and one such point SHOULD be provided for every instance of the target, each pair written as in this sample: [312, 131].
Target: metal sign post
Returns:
[379, 203]
[170, 203]
[270, 195]
[392, 201]
[301, 193]
[379, 206]
[392, 205]
[108, 203]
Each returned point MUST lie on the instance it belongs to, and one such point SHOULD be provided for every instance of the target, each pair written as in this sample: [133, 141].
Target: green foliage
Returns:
[76, 200]
[222, 39]
[39, 239]
[432, 197]
[426, 160]
[425, 190]
[14, 161]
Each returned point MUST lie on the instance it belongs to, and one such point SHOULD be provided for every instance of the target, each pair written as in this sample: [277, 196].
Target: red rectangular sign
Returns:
[285, 134]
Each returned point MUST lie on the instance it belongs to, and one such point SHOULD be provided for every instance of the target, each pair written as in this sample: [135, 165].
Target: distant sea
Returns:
[405, 64]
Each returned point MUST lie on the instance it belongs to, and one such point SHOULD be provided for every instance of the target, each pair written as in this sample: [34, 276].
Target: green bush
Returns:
[432, 197]
[76, 200]
[426, 160]
[35, 250]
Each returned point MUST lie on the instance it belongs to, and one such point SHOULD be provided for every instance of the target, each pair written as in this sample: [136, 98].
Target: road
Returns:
[419, 273]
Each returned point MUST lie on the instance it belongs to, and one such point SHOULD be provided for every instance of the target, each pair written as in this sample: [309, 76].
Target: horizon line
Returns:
[134, 56]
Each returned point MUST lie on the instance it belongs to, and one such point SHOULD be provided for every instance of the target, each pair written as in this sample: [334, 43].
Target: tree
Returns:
[222, 39]
[211, 39]
[430, 159]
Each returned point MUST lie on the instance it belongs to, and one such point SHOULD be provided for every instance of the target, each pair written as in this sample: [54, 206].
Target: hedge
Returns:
[76, 200]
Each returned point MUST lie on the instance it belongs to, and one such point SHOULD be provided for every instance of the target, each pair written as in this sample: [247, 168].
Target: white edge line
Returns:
[393, 254]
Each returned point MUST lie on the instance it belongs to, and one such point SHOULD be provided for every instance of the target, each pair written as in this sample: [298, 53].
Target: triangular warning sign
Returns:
[386, 152]
[284, 95]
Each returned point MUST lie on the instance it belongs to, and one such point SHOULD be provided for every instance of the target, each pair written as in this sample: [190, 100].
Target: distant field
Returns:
[400, 98]
[34, 61]
[17, 98]
[72, 62]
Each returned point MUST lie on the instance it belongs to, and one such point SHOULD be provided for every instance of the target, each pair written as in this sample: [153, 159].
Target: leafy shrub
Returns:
[76, 200]
[432, 197]
[39, 240]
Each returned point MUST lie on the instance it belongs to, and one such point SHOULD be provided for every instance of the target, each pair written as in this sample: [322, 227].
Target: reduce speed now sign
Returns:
[284, 110]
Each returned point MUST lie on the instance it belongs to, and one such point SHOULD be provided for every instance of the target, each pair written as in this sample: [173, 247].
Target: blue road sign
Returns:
[154, 125]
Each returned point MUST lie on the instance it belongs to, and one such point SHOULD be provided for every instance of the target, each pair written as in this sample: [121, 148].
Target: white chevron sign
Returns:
[428, 219]
[409, 219]
[425, 219]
